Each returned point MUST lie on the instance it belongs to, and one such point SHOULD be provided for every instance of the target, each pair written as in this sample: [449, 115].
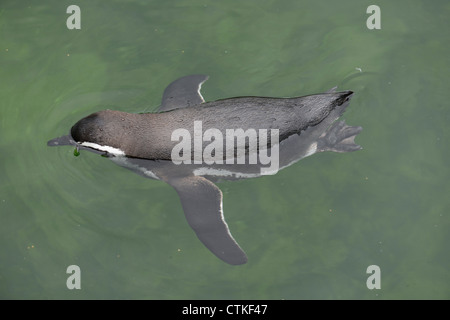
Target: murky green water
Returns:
[311, 231]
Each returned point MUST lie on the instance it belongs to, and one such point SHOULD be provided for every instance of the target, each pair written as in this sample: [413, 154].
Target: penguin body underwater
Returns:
[144, 143]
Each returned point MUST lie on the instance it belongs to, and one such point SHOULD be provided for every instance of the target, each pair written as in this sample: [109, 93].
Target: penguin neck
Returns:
[146, 136]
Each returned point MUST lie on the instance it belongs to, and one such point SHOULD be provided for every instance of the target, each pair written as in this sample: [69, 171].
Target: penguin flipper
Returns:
[183, 92]
[202, 204]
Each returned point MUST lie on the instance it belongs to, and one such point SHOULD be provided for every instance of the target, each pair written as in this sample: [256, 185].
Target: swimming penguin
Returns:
[145, 143]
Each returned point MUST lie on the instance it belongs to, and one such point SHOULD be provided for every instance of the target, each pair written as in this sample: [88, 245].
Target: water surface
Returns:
[310, 232]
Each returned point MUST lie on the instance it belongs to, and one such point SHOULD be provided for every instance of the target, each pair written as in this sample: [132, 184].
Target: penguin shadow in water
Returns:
[144, 143]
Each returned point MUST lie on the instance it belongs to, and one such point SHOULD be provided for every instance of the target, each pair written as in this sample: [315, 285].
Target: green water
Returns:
[310, 232]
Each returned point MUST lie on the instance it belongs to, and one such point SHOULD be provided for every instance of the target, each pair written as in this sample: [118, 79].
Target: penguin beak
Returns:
[65, 141]
[68, 141]
[62, 141]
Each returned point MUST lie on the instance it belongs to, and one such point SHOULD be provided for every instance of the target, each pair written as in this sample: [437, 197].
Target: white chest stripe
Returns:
[205, 171]
[123, 162]
[108, 149]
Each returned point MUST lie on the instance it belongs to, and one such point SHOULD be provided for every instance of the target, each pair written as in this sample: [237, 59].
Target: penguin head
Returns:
[98, 131]
[90, 129]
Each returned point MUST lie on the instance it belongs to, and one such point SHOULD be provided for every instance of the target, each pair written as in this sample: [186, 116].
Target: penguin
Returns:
[145, 144]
